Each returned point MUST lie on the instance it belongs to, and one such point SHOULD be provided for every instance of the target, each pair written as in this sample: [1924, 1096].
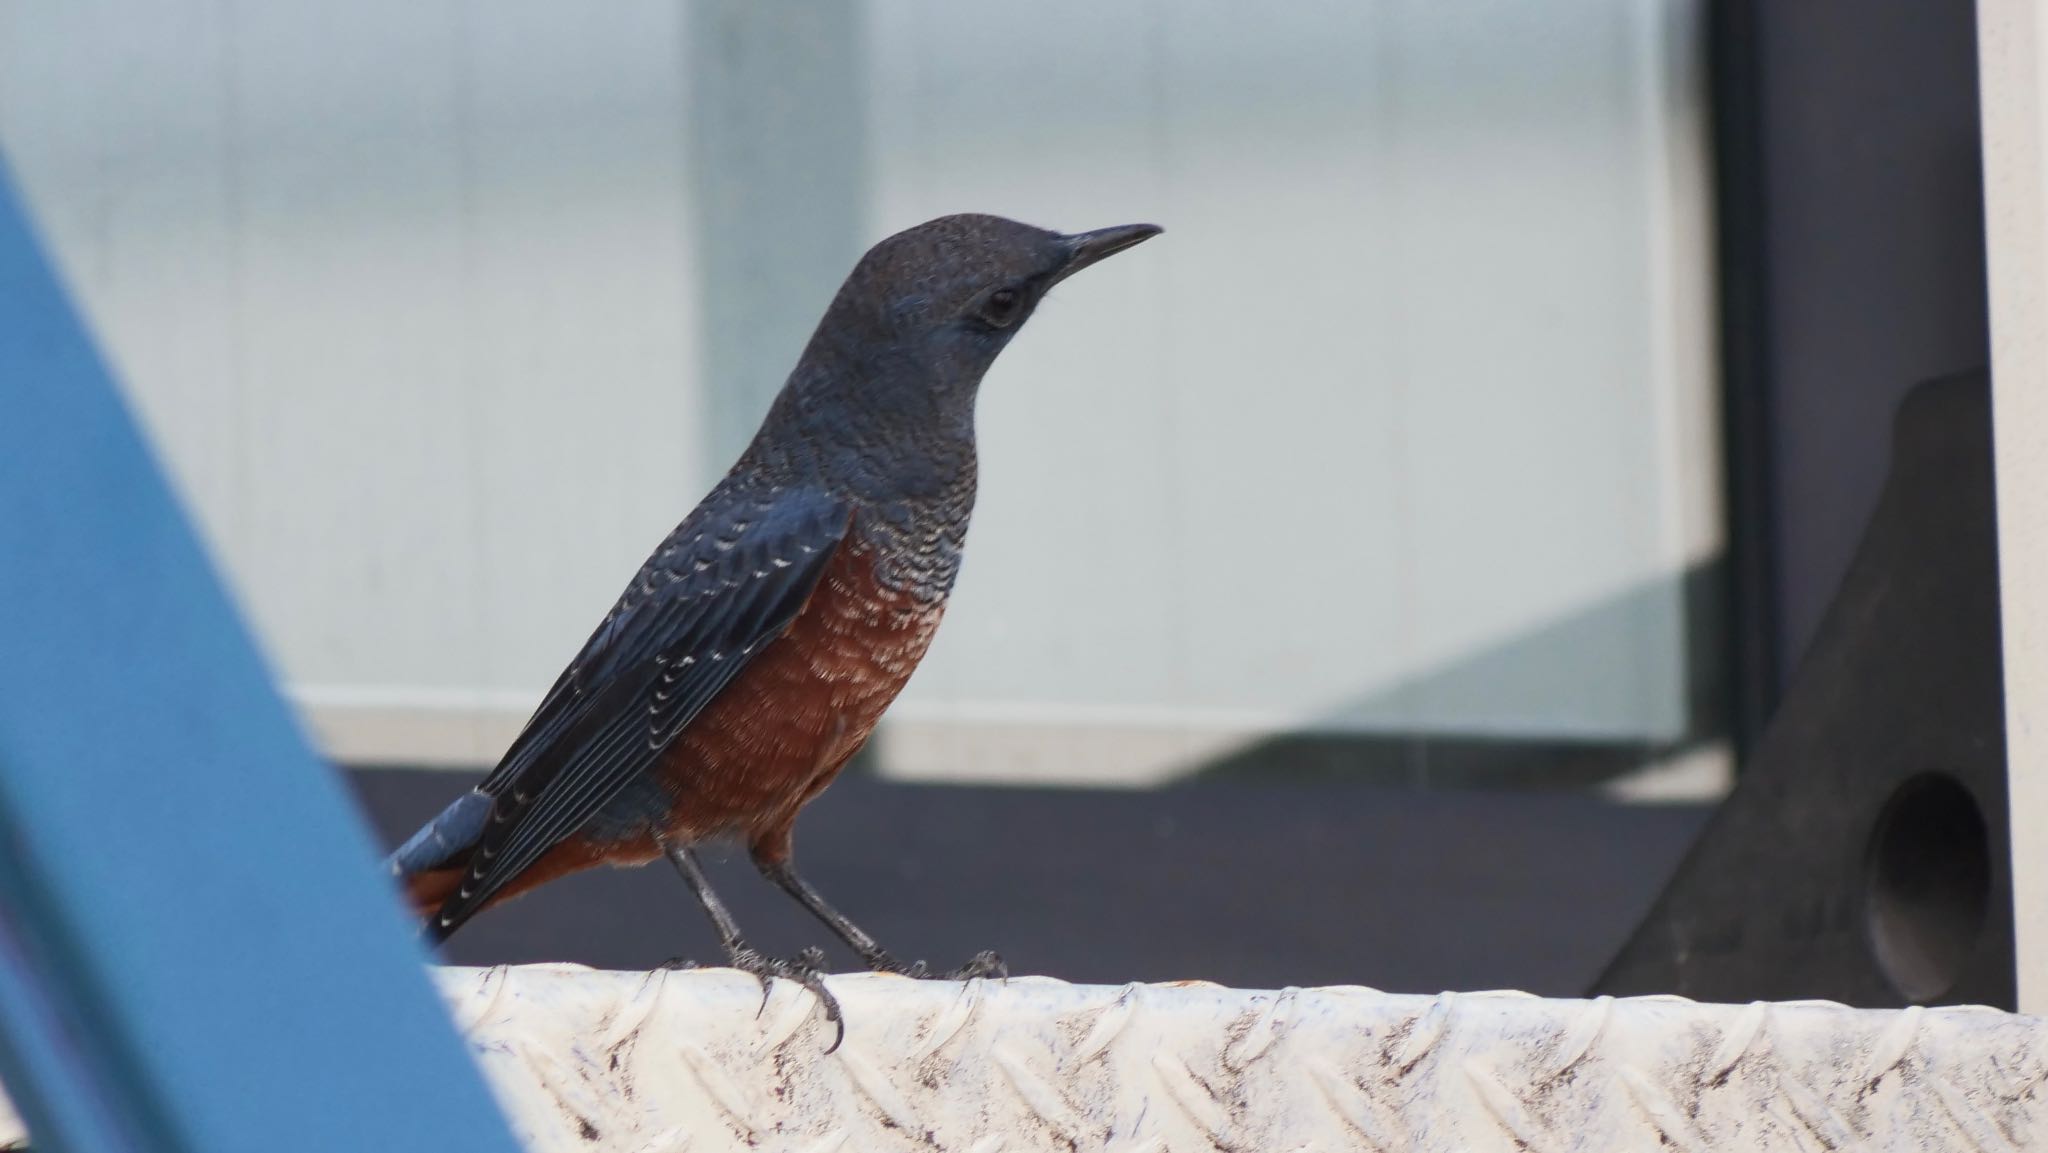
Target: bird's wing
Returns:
[727, 582]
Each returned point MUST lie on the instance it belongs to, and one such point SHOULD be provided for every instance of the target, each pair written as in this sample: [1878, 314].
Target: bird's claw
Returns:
[806, 968]
[884, 963]
[982, 964]
[678, 964]
[987, 963]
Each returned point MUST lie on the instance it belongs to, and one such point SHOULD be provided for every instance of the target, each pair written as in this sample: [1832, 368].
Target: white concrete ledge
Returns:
[656, 1063]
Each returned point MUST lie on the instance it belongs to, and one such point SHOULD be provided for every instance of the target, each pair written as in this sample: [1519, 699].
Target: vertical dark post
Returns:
[1733, 80]
[778, 151]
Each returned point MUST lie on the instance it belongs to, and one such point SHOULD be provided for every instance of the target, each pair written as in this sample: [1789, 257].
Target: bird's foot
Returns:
[806, 968]
[884, 963]
[982, 964]
[678, 964]
[987, 963]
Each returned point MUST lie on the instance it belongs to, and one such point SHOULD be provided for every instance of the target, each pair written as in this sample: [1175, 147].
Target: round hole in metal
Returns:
[1927, 884]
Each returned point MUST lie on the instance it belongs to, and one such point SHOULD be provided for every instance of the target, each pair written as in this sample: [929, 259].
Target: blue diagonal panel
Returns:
[198, 950]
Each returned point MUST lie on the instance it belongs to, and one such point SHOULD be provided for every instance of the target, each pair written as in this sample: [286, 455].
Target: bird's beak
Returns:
[1085, 248]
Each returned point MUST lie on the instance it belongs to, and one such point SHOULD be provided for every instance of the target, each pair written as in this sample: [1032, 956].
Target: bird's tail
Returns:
[430, 864]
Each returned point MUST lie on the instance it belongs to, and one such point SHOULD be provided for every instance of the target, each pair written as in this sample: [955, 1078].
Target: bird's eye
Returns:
[1002, 306]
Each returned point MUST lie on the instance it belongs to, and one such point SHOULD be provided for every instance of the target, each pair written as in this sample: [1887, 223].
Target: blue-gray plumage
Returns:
[754, 651]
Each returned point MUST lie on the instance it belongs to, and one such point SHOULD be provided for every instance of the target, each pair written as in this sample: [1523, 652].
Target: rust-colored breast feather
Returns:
[802, 708]
[779, 733]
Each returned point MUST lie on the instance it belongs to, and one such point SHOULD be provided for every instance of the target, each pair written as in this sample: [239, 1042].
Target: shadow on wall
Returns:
[1252, 885]
[1538, 673]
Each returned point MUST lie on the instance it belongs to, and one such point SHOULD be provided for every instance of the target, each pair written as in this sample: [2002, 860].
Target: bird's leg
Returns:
[774, 862]
[807, 969]
[871, 952]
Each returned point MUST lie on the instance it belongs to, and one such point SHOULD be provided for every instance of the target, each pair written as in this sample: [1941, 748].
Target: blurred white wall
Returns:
[1405, 426]
[2012, 50]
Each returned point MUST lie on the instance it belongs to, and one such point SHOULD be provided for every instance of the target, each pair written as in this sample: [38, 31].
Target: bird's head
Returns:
[927, 310]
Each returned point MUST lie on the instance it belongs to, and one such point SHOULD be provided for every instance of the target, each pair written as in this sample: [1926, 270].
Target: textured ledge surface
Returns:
[658, 1062]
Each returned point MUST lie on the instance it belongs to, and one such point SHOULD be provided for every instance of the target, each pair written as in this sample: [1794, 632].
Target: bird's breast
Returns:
[804, 705]
[917, 542]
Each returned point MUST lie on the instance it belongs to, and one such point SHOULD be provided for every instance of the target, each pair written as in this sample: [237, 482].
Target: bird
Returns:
[754, 651]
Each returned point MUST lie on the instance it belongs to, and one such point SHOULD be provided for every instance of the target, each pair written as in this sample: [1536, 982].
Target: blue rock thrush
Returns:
[752, 654]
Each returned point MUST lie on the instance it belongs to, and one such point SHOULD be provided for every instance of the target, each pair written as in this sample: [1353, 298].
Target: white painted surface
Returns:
[2012, 54]
[1405, 426]
[595, 1061]
[585, 1061]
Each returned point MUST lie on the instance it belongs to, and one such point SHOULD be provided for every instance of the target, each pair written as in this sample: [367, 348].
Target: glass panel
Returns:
[1395, 456]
